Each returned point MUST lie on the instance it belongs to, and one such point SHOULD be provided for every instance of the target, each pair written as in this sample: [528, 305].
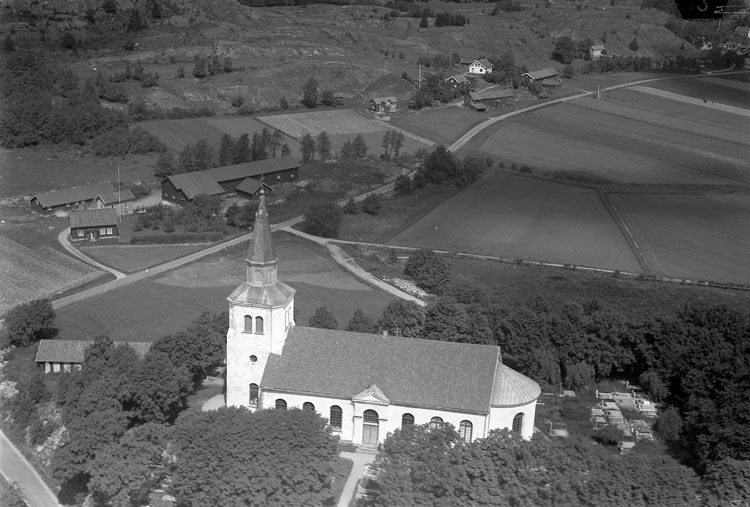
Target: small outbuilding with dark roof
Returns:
[65, 355]
[95, 195]
[93, 224]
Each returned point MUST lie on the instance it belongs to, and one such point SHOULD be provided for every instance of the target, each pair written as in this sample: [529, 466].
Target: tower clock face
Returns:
[702, 9]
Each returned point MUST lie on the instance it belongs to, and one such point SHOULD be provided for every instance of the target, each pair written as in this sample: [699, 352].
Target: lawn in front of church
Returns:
[152, 308]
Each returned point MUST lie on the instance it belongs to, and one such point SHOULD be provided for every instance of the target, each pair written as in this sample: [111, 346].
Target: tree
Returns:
[350, 208]
[634, 44]
[326, 97]
[397, 142]
[200, 69]
[565, 50]
[403, 318]
[10, 496]
[323, 220]
[228, 66]
[323, 146]
[347, 151]
[165, 165]
[727, 482]
[283, 103]
[68, 41]
[276, 139]
[29, 322]
[307, 147]
[120, 470]
[242, 149]
[424, 23]
[181, 72]
[372, 204]
[109, 6]
[8, 44]
[428, 270]
[568, 71]
[403, 185]
[310, 93]
[361, 323]
[160, 388]
[360, 146]
[669, 424]
[135, 23]
[285, 150]
[226, 150]
[386, 143]
[323, 319]
[233, 457]
[155, 9]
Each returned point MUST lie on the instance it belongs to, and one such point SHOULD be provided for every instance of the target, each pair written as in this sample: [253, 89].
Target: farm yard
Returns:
[149, 309]
[31, 273]
[703, 237]
[516, 217]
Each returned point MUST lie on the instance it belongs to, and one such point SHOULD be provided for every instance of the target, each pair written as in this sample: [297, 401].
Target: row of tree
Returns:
[201, 214]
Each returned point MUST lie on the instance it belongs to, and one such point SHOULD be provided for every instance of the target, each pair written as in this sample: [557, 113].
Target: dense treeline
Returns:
[423, 466]
[697, 362]
[450, 19]
[45, 104]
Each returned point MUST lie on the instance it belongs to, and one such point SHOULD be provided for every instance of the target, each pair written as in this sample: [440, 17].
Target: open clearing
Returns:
[622, 144]
[131, 258]
[27, 273]
[715, 89]
[150, 309]
[177, 134]
[339, 121]
[687, 236]
[516, 217]
[444, 125]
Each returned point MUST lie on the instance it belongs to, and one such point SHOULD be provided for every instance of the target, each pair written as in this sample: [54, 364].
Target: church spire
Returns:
[261, 256]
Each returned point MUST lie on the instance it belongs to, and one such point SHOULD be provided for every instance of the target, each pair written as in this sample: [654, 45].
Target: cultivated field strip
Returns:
[27, 274]
[238, 126]
[675, 116]
[698, 156]
[177, 134]
[548, 151]
[703, 237]
[693, 101]
[731, 92]
[344, 121]
[512, 216]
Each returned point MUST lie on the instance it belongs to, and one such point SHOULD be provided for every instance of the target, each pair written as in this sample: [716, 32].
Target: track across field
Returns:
[704, 237]
[513, 216]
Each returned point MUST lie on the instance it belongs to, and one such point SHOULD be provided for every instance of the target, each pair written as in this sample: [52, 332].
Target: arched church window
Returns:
[465, 430]
[436, 423]
[248, 324]
[308, 406]
[257, 276]
[517, 423]
[258, 325]
[254, 395]
[280, 404]
[336, 417]
[407, 420]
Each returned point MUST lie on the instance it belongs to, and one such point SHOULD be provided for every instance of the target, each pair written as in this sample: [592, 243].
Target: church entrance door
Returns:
[370, 422]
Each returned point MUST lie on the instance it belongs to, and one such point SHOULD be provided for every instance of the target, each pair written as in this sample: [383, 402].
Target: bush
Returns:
[428, 270]
[323, 220]
[30, 321]
[351, 208]
[372, 204]
[403, 185]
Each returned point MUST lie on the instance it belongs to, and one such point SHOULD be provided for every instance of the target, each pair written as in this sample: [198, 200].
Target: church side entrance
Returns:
[370, 427]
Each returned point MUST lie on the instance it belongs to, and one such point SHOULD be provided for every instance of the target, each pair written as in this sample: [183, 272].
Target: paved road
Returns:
[15, 468]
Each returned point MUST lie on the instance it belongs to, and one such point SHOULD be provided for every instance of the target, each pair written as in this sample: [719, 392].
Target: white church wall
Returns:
[502, 417]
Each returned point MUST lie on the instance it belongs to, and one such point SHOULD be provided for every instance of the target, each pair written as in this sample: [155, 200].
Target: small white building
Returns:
[597, 51]
[480, 66]
[366, 385]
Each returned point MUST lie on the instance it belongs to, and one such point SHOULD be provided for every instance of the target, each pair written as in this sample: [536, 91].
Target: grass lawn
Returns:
[150, 309]
[444, 125]
[132, 258]
[341, 470]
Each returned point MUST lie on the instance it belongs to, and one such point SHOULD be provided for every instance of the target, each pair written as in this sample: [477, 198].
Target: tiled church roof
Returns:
[409, 371]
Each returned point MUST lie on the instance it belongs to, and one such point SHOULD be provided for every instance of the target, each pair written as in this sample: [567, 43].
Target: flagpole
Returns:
[119, 193]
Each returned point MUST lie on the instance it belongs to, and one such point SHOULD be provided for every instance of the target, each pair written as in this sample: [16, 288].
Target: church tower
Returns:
[261, 311]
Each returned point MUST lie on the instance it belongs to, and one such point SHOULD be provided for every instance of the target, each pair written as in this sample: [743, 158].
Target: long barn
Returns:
[182, 188]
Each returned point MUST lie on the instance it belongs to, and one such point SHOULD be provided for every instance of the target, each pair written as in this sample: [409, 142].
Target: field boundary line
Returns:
[632, 243]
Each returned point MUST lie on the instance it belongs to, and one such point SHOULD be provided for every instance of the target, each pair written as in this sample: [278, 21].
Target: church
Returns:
[366, 385]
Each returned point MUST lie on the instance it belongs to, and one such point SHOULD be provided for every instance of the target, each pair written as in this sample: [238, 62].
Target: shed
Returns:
[540, 75]
[489, 96]
[65, 355]
[93, 224]
[97, 195]
[249, 187]
[457, 80]
[338, 98]
[596, 51]
[384, 104]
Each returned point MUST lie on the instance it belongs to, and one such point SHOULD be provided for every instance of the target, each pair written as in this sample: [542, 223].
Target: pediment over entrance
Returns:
[372, 394]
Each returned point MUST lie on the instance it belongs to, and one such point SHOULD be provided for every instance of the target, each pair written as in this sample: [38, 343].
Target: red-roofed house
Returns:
[366, 385]
[93, 224]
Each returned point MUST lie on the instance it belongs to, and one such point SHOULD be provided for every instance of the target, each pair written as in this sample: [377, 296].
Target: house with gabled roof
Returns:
[480, 66]
[366, 385]
[385, 105]
[181, 188]
[95, 195]
[457, 80]
[597, 51]
[93, 224]
[57, 356]
[492, 96]
[545, 77]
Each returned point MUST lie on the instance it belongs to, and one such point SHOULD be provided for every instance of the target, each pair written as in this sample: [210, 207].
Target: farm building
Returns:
[338, 98]
[180, 188]
[249, 187]
[65, 355]
[93, 224]
[545, 77]
[384, 105]
[488, 97]
[597, 51]
[480, 66]
[367, 385]
[96, 195]
[458, 80]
